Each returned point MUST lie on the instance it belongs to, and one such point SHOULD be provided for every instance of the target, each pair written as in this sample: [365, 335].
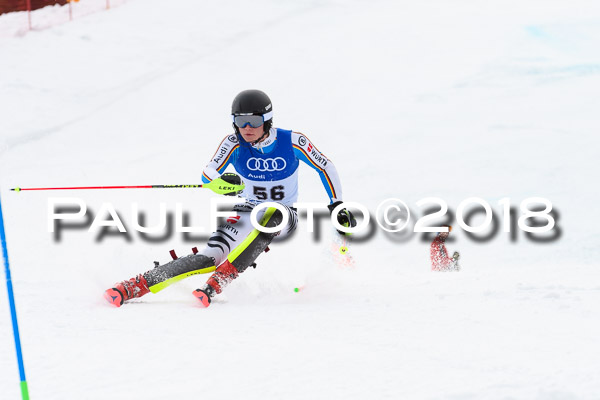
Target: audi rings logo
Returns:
[266, 164]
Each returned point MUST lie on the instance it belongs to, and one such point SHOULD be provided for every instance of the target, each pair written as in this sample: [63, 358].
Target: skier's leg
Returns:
[229, 238]
[223, 240]
[159, 278]
[244, 254]
[219, 245]
[176, 270]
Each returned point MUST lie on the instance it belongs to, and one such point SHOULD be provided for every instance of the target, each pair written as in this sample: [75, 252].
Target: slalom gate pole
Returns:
[13, 310]
[29, 13]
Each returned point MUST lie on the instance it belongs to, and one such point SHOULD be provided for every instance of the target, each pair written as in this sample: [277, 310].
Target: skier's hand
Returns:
[456, 256]
[233, 179]
[344, 217]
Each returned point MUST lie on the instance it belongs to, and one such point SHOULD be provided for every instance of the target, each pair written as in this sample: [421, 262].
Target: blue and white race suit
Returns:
[269, 170]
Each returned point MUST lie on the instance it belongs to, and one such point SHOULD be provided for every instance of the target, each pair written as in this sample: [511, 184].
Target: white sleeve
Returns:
[225, 155]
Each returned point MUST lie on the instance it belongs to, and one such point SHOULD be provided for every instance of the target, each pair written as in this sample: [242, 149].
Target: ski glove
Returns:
[456, 256]
[344, 217]
[233, 179]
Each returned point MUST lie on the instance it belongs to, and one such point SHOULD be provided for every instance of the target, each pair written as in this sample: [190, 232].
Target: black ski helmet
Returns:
[253, 102]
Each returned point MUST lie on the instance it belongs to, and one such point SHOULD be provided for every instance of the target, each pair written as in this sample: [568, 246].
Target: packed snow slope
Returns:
[410, 100]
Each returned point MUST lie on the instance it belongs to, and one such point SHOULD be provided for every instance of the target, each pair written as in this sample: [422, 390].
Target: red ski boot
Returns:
[126, 290]
[215, 284]
[204, 295]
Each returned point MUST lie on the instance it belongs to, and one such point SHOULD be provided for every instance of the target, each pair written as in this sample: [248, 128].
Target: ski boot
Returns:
[205, 294]
[126, 290]
[226, 273]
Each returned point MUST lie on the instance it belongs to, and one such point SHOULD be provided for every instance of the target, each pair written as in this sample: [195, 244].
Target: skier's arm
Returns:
[225, 155]
[308, 153]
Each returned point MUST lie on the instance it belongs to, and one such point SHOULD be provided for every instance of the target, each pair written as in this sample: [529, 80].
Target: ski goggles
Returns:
[241, 121]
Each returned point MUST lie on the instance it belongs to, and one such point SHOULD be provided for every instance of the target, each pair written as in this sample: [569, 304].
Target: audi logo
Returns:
[266, 164]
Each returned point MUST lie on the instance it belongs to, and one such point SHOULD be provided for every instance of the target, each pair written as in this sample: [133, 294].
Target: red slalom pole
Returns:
[29, 12]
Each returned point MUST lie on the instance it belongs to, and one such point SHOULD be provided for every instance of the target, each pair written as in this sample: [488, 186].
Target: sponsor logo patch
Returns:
[256, 176]
[233, 220]
[266, 164]
[219, 157]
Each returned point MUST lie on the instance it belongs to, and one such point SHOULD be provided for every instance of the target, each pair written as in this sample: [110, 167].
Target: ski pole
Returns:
[219, 186]
[13, 310]
[344, 248]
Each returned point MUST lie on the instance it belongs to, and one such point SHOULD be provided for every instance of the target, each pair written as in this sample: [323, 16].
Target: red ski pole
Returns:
[106, 187]
[219, 186]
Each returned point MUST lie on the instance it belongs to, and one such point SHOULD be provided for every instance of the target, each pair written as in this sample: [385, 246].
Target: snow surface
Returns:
[409, 99]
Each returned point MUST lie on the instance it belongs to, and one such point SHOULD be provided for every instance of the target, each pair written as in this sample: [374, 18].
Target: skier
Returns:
[440, 261]
[266, 159]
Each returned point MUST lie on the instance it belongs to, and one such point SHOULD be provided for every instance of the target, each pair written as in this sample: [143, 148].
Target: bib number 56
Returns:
[276, 193]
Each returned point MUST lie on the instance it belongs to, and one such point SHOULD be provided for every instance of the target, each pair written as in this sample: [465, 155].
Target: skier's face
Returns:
[251, 134]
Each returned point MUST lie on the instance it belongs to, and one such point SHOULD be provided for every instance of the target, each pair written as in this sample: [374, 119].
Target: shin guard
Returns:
[176, 270]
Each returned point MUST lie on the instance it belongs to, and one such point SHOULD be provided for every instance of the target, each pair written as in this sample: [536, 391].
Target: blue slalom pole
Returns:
[13, 309]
